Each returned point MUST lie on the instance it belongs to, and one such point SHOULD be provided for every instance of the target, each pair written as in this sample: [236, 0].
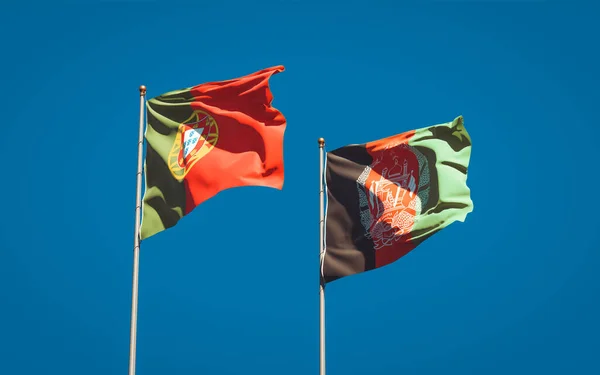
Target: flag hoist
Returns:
[321, 256]
[136, 237]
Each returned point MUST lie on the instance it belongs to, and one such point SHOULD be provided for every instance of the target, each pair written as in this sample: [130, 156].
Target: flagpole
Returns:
[136, 238]
[321, 253]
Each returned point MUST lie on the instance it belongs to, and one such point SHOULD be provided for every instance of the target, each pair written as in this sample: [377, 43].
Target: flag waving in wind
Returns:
[208, 138]
[386, 197]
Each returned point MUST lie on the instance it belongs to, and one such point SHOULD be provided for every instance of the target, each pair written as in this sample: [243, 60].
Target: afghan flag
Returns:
[386, 197]
[208, 138]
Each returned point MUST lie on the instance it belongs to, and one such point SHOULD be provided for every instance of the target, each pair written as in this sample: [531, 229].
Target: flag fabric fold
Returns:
[205, 139]
[386, 197]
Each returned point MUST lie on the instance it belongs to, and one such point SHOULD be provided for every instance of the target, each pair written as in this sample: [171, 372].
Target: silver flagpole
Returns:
[136, 238]
[321, 251]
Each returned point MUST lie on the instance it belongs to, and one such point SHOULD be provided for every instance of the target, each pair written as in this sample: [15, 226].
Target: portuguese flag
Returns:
[386, 197]
[208, 138]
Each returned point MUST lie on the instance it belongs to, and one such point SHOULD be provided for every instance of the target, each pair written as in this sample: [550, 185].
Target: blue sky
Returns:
[233, 288]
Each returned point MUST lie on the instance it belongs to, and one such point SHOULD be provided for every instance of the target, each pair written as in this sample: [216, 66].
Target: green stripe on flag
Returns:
[447, 148]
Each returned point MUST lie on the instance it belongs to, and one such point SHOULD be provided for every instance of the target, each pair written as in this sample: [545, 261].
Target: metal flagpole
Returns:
[321, 253]
[136, 238]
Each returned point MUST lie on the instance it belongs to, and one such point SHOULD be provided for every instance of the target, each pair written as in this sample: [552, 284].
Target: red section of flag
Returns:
[392, 189]
[249, 147]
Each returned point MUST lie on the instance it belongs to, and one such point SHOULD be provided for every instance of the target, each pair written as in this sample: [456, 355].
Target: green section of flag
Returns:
[446, 198]
[164, 197]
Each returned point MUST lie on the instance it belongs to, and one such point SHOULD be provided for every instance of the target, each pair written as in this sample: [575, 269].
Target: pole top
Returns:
[321, 142]
[142, 90]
